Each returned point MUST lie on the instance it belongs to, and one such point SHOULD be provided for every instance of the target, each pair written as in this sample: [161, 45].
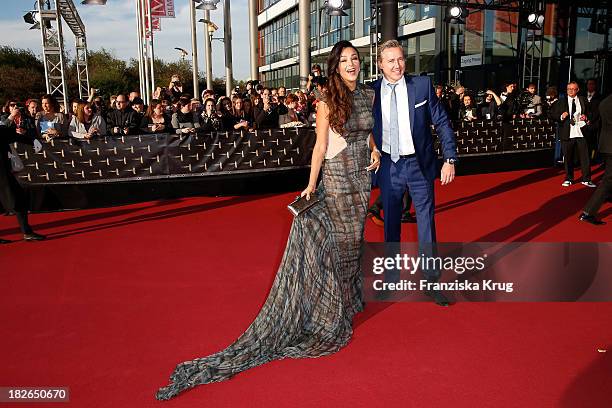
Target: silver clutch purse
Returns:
[301, 204]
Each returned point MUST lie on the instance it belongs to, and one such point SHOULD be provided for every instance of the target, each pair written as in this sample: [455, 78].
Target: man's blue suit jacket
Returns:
[429, 112]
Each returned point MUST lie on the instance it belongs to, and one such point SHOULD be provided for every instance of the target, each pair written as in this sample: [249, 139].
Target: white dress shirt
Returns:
[406, 145]
[575, 130]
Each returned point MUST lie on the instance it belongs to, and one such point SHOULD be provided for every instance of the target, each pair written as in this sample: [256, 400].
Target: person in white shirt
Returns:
[572, 113]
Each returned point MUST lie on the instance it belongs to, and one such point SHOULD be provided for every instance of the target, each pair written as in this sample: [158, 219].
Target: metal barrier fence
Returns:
[163, 156]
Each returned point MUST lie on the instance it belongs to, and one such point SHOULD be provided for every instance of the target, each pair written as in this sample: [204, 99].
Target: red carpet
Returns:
[118, 296]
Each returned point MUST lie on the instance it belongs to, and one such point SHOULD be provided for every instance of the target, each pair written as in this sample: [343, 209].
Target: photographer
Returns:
[489, 107]
[18, 120]
[531, 103]
[175, 88]
[315, 72]
[510, 107]
[444, 100]
[468, 111]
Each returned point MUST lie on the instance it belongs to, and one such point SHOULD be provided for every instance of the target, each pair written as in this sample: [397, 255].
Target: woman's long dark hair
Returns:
[339, 96]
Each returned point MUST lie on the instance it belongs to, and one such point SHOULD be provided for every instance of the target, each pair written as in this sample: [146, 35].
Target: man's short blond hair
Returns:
[388, 44]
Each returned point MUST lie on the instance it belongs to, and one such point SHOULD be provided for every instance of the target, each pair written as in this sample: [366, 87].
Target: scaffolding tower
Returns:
[51, 13]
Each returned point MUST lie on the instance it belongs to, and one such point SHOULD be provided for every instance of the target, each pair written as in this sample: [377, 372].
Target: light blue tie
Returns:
[394, 126]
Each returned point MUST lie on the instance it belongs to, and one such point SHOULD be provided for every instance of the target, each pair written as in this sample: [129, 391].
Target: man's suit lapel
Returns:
[378, 112]
[411, 101]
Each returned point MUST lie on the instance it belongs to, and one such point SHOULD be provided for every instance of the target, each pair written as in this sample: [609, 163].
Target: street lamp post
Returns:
[194, 50]
[144, 50]
[140, 58]
[208, 49]
[151, 51]
[254, 39]
[227, 34]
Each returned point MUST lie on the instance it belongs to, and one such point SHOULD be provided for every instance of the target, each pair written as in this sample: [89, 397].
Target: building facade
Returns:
[488, 48]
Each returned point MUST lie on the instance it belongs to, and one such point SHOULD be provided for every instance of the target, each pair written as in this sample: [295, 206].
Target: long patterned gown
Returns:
[318, 286]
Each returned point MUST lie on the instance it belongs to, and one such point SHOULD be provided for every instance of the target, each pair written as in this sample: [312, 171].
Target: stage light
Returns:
[337, 7]
[207, 4]
[94, 2]
[33, 17]
[535, 21]
[455, 12]
[456, 15]
[30, 17]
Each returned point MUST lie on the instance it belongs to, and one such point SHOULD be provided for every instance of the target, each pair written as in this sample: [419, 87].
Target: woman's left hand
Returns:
[374, 161]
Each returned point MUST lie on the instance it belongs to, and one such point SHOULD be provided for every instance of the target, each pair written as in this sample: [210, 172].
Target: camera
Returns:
[524, 100]
[481, 96]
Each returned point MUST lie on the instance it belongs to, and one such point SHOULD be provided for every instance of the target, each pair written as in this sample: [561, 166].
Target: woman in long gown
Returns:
[318, 286]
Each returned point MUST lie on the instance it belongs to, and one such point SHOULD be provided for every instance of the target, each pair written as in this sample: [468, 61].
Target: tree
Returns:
[22, 74]
[110, 74]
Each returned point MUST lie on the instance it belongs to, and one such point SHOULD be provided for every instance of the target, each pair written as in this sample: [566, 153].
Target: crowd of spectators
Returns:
[260, 107]
[171, 111]
[576, 116]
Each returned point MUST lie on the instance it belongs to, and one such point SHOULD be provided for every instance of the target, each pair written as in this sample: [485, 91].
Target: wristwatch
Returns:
[450, 161]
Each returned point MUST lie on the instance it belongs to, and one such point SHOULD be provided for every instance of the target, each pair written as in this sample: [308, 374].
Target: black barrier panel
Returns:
[143, 157]
[481, 137]
[149, 157]
[206, 153]
[101, 160]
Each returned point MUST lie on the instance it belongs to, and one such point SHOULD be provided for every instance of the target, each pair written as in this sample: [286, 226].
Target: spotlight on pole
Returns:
[535, 21]
[33, 17]
[30, 17]
[207, 4]
[94, 2]
[210, 26]
[456, 15]
[183, 52]
[337, 7]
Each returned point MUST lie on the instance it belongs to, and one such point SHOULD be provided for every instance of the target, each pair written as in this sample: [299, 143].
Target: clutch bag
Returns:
[301, 204]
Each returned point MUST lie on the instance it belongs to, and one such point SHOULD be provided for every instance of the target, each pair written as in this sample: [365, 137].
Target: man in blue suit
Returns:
[405, 107]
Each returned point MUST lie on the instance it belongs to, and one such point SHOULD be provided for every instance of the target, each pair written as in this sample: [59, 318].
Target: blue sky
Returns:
[113, 27]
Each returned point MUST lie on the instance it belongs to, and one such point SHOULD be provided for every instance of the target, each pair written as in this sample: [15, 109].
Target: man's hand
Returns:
[448, 173]
[564, 115]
